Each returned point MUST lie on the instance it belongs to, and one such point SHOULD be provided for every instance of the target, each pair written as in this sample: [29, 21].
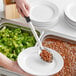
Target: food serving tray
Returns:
[24, 27]
[67, 49]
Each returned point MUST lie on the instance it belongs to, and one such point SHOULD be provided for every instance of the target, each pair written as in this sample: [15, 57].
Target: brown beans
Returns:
[46, 56]
[67, 51]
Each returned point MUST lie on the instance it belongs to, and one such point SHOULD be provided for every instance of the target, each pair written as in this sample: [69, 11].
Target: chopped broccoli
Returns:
[12, 41]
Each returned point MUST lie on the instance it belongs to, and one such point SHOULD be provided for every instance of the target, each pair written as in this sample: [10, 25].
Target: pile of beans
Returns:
[67, 51]
[46, 56]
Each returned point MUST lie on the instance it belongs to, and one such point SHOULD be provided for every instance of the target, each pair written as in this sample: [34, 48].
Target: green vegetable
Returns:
[13, 40]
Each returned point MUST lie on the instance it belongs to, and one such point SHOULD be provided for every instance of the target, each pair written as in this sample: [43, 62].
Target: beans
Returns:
[46, 56]
[67, 51]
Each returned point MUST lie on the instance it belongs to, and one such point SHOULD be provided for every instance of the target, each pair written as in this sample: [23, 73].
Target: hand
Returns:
[23, 7]
[11, 65]
[17, 69]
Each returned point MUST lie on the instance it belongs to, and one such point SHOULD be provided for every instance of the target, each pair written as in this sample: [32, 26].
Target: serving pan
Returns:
[13, 24]
[67, 49]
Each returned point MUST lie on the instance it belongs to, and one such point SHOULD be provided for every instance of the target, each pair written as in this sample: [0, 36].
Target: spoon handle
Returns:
[40, 38]
[33, 31]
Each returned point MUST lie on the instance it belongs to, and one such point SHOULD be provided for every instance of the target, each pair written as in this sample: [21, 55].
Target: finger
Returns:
[19, 10]
[27, 7]
[24, 10]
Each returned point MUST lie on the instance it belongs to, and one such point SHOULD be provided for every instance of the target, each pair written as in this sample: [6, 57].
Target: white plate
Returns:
[43, 13]
[45, 25]
[70, 12]
[71, 24]
[30, 61]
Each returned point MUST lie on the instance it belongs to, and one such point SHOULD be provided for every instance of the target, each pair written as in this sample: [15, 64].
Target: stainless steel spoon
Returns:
[35, 35]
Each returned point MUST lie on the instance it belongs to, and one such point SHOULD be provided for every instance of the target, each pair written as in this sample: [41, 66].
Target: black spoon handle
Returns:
[27, 19]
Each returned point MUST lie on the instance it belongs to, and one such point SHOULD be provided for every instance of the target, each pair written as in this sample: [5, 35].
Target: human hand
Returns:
[23, 7]
[11, 65]
[18, 69]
